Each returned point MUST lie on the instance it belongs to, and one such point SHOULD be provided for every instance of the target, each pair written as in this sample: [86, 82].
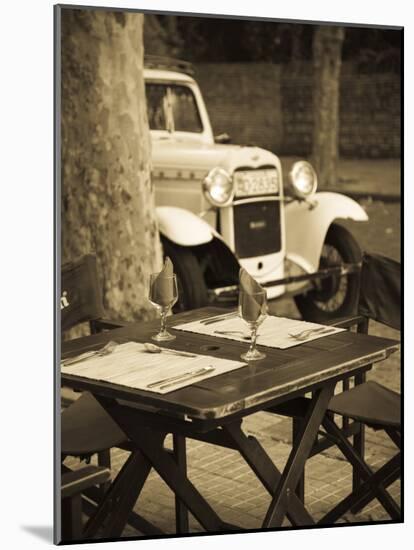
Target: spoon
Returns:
[152, 348]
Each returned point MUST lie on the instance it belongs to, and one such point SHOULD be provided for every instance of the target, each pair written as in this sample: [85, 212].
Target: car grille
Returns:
[257, 228]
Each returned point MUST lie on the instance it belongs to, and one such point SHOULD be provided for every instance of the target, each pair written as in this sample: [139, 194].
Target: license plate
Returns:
[256, 182]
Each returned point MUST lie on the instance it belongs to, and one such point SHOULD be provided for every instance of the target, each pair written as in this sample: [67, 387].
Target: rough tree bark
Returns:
[107, 198]
[327, 47]
[296, 56]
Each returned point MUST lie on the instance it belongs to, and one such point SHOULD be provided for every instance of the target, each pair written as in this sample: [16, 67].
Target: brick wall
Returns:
[370, 116]
[267, 105]
[244, 100]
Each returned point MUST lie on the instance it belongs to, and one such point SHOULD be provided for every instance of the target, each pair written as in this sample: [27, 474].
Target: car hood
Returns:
[173, 153]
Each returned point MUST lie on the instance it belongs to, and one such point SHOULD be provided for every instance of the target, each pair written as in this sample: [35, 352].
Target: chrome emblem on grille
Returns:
[258, 224]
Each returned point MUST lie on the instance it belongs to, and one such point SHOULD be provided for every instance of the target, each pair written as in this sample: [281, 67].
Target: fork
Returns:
[106, 350]
[310, 332]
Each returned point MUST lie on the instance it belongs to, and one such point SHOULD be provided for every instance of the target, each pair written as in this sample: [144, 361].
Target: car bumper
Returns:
[276, 288]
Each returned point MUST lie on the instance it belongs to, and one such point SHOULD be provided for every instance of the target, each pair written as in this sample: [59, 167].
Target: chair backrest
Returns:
[81, 297]
[380, 290]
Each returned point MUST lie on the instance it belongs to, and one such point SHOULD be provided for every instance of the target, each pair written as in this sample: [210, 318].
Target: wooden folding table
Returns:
[213, 410]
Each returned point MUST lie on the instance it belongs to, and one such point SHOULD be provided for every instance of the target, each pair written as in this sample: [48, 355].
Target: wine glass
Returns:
[253, 311]
[163, 294]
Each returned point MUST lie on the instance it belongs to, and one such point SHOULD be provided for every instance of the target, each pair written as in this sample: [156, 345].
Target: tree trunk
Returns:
[107, 197]
[327, 46]
[296, 57]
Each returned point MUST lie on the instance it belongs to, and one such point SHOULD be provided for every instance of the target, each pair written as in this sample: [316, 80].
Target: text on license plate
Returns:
[256, 182]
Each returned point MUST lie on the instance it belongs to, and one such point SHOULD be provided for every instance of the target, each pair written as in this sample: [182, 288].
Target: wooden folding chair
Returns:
[367, 403]
[73, 484]
[370, 403]
[86, 428]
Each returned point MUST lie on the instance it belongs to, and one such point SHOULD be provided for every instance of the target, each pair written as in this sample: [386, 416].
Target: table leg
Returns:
[395, 436]
[263, 467]
[181, 512]
[91, 502]
[150, 442]
[104, 459]
[296, 426]
[117, 504]
[298, 456]
[367, 497]
[177, 480]
[389, 472]
[364, 472]
[359, 442]
[90, 506]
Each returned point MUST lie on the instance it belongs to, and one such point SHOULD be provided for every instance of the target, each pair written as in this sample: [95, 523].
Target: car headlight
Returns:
[218, 187]
[303, 179]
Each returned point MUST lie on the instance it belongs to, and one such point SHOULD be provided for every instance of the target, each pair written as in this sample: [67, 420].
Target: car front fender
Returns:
[182, 227]
[308, 222]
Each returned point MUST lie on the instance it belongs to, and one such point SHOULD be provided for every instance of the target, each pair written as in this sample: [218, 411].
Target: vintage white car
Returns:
[223, 206]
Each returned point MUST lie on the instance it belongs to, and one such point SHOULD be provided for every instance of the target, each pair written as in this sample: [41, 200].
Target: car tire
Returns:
[192, 289]
[319, 304]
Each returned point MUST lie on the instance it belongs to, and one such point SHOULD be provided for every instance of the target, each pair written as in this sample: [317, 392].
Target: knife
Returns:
[219, 318]
[171, 380]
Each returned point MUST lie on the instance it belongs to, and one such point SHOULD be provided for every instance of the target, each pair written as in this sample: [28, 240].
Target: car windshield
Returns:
[172, 107]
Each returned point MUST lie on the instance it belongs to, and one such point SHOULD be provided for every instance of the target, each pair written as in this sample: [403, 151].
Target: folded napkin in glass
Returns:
[274, 332]
[252, 298]
[131, 365]
[163, 286]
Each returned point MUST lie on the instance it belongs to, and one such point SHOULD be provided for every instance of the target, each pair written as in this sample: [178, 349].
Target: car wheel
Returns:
[334, 296]
[192, 289]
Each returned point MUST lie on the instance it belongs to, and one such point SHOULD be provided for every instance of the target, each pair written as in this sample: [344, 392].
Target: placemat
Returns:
[274, 332]
[129, 364]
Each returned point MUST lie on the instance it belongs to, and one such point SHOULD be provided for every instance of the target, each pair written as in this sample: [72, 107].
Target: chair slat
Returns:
[81, 297]
[380, 290]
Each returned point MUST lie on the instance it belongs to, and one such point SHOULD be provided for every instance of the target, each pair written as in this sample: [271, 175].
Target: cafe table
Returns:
[213, 409]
